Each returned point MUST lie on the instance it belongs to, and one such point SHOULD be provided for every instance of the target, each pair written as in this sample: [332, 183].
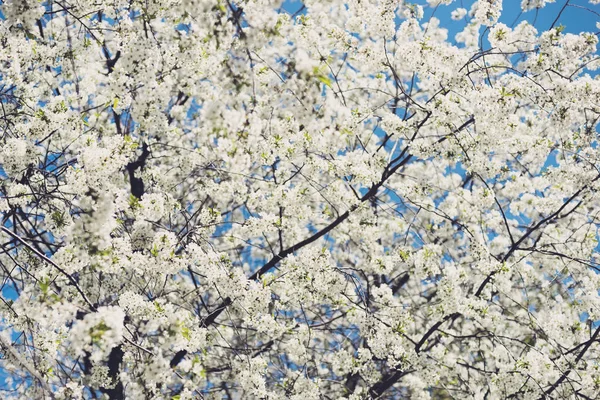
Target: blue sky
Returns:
[574, 18]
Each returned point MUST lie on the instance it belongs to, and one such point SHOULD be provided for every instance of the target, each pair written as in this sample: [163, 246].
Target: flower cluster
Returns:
[317, 199]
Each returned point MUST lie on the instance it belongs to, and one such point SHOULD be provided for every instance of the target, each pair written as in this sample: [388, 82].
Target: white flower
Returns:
[459, 14]
[98, 332]
[15, 156]
[527, 5]
[487, 12]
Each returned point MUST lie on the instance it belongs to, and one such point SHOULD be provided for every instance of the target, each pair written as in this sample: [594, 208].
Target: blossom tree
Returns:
[228, 199]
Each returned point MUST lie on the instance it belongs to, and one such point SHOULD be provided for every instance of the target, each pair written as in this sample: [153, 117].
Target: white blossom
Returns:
[318, 199]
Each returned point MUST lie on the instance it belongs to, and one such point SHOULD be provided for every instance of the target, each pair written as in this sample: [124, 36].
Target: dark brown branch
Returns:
[567, 372]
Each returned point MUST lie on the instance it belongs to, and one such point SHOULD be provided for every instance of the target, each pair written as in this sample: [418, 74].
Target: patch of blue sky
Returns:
[9, 291]
[294, 7]
[574, 18]
[225, 226]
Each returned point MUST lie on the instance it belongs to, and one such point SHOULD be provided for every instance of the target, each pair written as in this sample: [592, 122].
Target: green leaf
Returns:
[98, 331]
[44, 285]
[185, 332]
[58, 218]
[325, 80]
[134, 202]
